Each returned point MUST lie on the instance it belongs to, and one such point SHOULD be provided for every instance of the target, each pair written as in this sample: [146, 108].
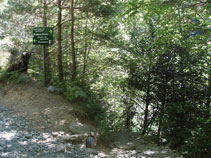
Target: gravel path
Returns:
[26, 131]
[18, 140]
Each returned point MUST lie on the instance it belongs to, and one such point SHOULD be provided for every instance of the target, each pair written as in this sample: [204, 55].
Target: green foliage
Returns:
[13, 77]
[90, 102]
[155, 54]
[75, 93]
[3, 76]
[199, 144]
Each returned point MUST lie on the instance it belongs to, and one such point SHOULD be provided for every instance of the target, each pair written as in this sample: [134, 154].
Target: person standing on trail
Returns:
[91, 140]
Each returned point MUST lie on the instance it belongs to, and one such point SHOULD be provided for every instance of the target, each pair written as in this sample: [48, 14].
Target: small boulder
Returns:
[55, 90]
[51, 89]
[59, 90]
[79, 128]
[66, 138]
[60, 148]
[77, 138]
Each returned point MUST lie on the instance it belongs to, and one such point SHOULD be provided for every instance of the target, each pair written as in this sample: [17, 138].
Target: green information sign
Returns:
[43, 36]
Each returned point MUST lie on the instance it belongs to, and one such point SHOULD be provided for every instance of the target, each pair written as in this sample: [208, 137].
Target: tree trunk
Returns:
[47, 54]
[159, 129]
[59, 39]
[209, 89]
[161, 114]
[74, 68]
[160, 123]
[21, 65]
[128, 114]
[146, 111]
[85, 47]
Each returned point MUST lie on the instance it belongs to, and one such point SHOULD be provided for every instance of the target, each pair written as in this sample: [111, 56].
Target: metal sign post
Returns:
[43, 36]
[44, 66]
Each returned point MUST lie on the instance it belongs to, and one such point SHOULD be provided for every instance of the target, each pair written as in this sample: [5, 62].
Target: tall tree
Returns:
[74, 66]
[59, 39]
[47, 53]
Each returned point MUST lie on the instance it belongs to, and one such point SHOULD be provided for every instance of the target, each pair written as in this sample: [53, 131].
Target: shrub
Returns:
[13, 77]
[199, 145]
[80, 92]
[74, 92]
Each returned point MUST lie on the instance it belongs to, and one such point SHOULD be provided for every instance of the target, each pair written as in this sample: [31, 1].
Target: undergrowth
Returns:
[89, 102]
[14, 77]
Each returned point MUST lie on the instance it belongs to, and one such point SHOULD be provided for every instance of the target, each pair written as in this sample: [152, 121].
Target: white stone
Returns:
[60, 148]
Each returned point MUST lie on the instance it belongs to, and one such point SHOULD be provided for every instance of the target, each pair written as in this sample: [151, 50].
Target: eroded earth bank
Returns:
[37, 124]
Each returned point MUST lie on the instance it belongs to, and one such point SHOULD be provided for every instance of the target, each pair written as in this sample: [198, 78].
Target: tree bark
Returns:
[59, 39]
[47, 54]
[160, 124]
[21, 65]
[209, 89]
[85, 48]
[161, 116]
[146, 111]
[74, 67]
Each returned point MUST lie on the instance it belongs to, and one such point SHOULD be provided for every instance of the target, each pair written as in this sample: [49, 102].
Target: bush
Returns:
[199, 145]
[75, 92]
[80, 92]
[13, 77]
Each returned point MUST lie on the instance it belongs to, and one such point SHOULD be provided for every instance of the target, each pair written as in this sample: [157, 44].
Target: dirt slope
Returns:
[33, 101]
[52, 112]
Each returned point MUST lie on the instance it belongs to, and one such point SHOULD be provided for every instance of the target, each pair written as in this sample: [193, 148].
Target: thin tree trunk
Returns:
[45, 24]
[146, 111]
[128, 113]
[209, 90]
[59, 55]
[74, 67]
[159, 129]
[85, 48]
[151, 121]
[88, 49]
[161, 116]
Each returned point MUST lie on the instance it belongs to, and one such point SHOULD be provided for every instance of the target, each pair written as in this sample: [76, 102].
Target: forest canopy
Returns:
[142, 65]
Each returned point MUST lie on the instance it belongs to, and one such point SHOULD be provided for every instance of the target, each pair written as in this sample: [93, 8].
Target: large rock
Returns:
[79, 128]
[55, 90]
[77, 138]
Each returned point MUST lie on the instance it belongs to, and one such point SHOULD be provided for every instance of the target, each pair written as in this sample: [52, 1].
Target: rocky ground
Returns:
[18, 140]
[37, 124]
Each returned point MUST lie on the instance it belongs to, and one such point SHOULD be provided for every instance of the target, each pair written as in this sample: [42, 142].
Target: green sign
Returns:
[43, 36]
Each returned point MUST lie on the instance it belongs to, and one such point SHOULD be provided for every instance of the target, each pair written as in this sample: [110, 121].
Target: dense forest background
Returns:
[142, 65]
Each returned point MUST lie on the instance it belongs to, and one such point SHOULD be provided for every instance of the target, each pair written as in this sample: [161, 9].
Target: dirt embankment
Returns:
[33, 101]
[52, 113]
